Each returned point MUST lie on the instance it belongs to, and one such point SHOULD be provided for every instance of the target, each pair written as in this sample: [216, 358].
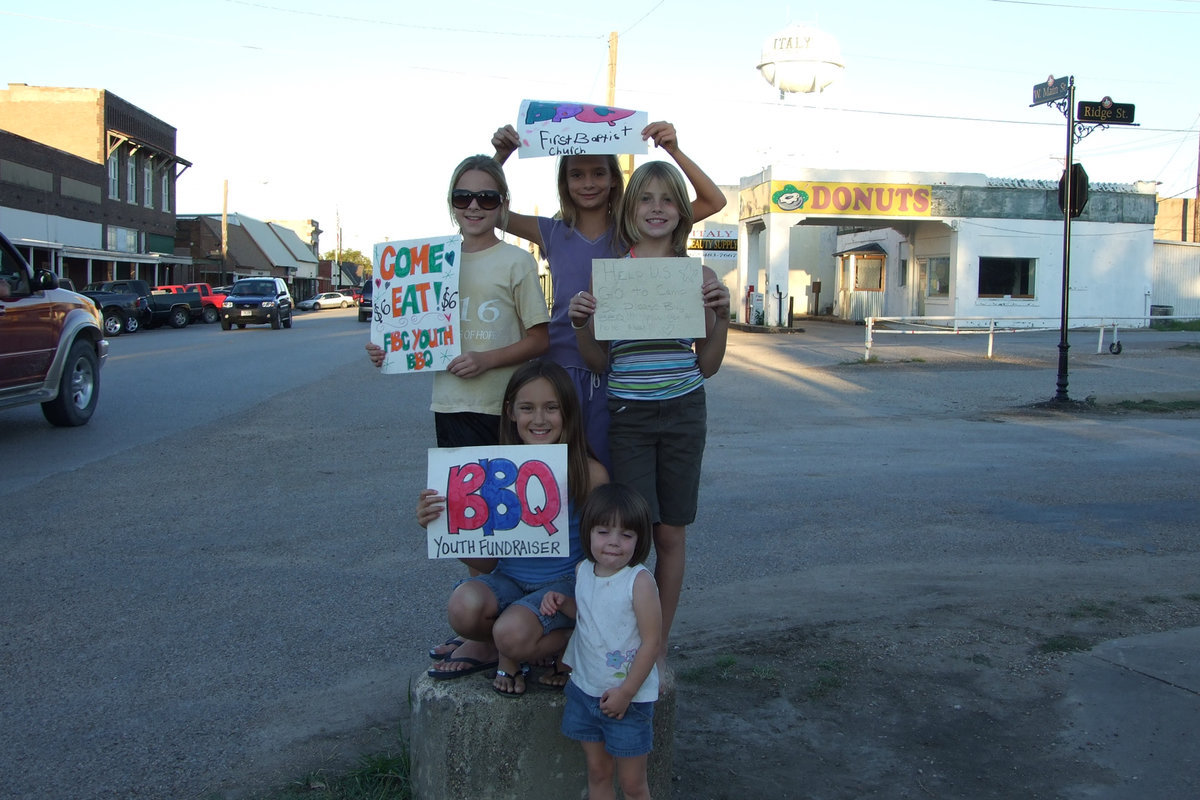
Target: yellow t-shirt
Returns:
[500, 297]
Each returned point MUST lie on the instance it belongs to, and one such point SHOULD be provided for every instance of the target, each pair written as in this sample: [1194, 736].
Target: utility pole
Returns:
[225, 231]
[625, 160]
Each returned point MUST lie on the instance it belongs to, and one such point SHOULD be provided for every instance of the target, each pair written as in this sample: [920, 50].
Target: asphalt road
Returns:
[215, 585]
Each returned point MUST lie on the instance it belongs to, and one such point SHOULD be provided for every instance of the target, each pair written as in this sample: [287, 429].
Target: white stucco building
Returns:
[938, 244]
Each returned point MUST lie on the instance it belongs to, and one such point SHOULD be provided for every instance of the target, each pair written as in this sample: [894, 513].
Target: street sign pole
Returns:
[1060, 394]
[1060, 92]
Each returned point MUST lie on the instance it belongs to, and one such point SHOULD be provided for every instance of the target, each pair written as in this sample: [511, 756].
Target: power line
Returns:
[410, 26]
[1097, 8]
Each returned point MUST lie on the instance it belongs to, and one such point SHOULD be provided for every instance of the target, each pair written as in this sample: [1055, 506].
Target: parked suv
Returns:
[257, 301]
[51, 343]
[364, 302]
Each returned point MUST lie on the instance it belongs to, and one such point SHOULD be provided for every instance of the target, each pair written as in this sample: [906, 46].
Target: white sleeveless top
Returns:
[606, 636]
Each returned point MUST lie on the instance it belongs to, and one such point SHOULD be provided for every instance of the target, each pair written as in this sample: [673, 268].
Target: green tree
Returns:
[354, 257]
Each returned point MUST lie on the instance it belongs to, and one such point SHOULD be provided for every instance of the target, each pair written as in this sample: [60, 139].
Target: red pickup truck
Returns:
[209, 300]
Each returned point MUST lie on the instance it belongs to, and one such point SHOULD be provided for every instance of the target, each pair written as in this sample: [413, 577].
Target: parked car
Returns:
[326, 300]
[257, 301]
[210, 299]
[353, 292]
[51, 343]
[123, 305]
[364, 302]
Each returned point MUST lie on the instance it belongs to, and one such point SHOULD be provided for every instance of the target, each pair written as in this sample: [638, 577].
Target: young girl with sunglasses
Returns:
[656, 387]
[612, 653]
[589, 191]
[503, 322]
[502, 607]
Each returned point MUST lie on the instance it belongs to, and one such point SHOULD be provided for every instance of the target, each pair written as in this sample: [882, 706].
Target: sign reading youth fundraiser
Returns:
[648, 298]
[506, 501]
[414, 313]
[551, 128]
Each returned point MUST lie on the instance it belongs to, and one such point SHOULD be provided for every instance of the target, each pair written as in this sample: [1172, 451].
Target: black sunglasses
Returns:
[488, 200]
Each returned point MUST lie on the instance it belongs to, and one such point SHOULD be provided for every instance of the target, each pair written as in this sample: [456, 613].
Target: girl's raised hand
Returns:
[375, 353]
[581, 309]
[430, 506]
[506, 141]
[716, 297]
[663, 135]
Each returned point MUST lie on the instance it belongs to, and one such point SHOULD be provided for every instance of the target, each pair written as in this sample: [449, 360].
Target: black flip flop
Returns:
[476, 666]
[457, 641]
[522, 673]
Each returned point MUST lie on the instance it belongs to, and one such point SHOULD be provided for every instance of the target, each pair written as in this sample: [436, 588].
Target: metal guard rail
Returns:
[991, 329]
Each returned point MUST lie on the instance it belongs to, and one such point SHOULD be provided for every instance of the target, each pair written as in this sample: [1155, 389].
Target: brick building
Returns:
[87, 185]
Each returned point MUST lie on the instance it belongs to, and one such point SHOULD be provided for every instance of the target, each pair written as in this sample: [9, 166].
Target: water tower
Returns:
[801, 59]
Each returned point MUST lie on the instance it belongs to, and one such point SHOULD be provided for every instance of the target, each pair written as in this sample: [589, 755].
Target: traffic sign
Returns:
[1104, 112]
[1053, 89]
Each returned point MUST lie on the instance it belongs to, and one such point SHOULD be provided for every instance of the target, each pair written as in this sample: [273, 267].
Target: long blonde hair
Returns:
[627, 232]
[488, 166]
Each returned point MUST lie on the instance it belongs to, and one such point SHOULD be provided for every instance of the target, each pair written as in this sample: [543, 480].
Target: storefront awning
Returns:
[862, 249]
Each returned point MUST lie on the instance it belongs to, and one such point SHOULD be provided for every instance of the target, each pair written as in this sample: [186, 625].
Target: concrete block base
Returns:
[467, 741]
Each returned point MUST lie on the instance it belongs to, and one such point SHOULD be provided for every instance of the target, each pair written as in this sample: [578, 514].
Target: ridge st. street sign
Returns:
[1104, 112]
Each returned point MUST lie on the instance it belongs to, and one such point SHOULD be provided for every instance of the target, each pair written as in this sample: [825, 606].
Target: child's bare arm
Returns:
[506, 141]
[580, 312]
[709, 198]
[648, 611]
[710, 351]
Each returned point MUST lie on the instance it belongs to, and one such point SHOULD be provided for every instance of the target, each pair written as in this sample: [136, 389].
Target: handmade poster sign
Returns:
[648, 298]
[506, 501]
[414, 310]
[550, 128]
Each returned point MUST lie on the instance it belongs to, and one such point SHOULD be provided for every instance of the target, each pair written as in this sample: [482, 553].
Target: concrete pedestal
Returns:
[469, 742]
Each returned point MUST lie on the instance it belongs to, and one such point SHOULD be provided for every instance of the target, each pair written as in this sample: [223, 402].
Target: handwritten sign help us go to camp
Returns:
[648, 298]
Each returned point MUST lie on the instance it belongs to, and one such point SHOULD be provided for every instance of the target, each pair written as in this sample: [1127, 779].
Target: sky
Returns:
[356, 112]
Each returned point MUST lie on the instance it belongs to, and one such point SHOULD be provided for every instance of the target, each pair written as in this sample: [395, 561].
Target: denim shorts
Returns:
[511, 592]
[583, 721]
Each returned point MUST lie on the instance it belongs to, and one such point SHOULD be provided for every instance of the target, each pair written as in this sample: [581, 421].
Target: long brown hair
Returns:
[570, 214]
[578, 452]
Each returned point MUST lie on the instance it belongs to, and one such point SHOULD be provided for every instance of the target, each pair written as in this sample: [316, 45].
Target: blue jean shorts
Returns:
[512, 592]
[583, 721]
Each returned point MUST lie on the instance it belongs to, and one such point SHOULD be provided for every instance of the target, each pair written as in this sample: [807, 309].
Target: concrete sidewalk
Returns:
[1132, 705]
[1132, 708]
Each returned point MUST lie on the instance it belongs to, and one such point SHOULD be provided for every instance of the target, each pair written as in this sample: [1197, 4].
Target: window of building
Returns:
[903, 277]
[114, 177]
[147, 184]
[1006, 277]
[868, 274]
[165, 190]
[131, 179]
[937, 276]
